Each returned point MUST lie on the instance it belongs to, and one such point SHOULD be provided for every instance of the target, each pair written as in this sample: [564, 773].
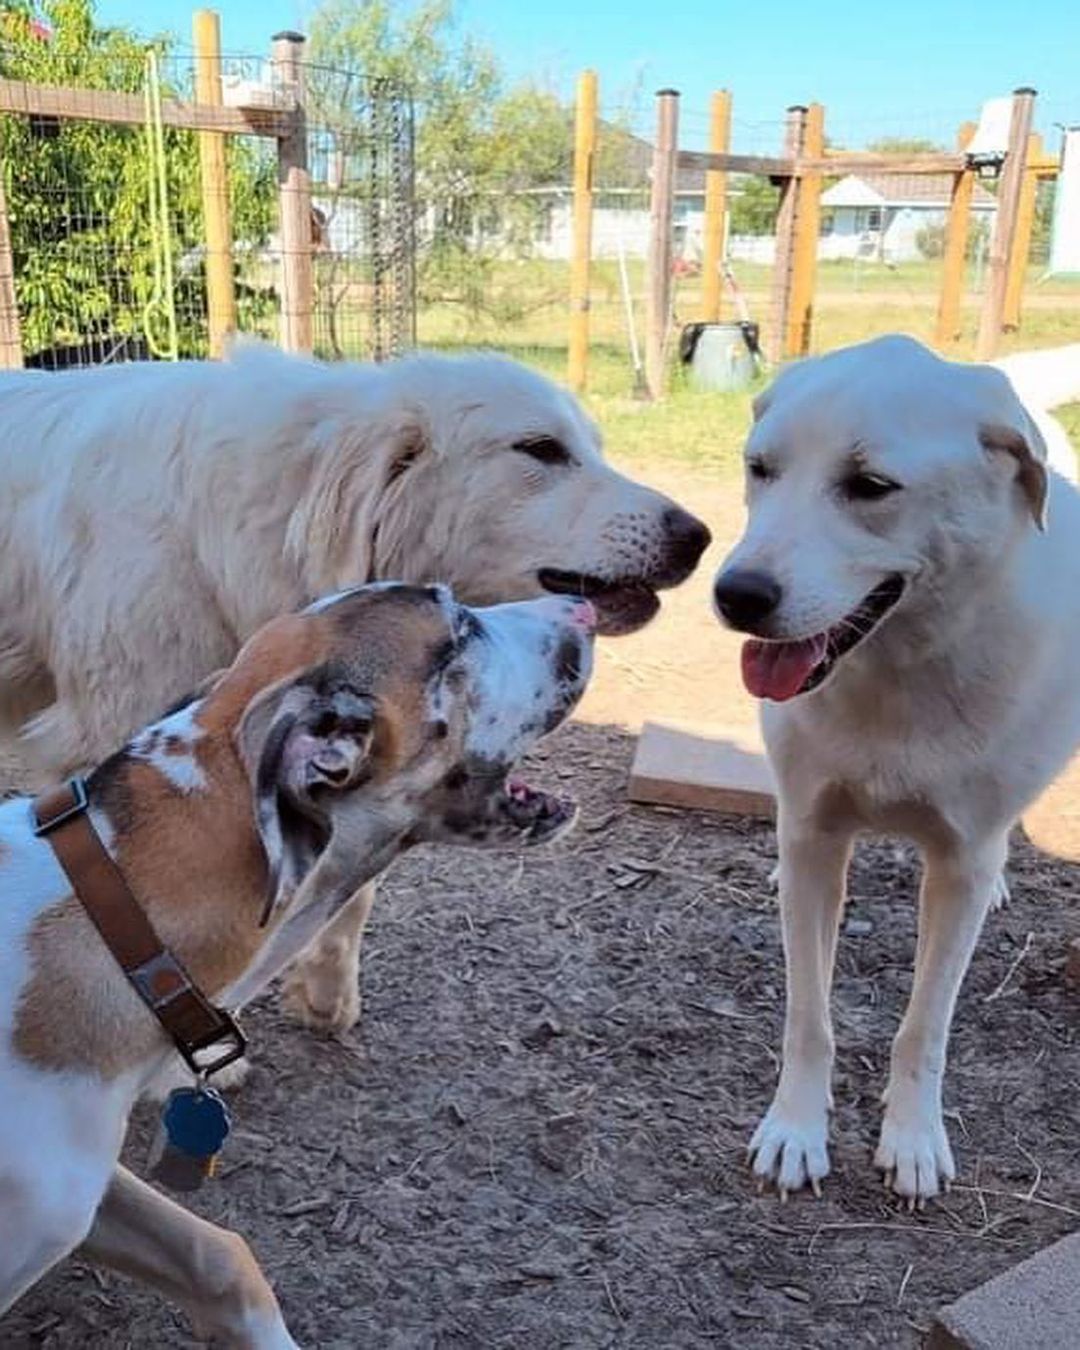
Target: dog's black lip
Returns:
[856, 627]
[623, 604]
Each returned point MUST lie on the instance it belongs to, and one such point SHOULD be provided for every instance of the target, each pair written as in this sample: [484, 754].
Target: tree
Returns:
[77, 192]
[903, 145]
[754, 203]
[482, 150]
[453, 84]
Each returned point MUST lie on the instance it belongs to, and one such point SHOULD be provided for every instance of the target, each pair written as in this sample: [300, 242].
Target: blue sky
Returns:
[915, 67]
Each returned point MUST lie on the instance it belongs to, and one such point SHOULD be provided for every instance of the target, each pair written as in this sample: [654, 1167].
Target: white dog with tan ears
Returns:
[206, 855]
[910, 580]
[156, 514]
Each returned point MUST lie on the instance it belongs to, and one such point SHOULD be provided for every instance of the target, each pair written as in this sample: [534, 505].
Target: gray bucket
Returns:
[720, 355]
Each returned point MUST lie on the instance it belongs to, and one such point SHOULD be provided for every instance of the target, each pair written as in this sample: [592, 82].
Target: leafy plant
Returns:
[77, 191]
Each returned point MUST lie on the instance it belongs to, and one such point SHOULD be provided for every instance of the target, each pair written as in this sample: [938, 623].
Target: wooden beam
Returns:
[956, 237]
[883, 164]
[1010, 190]
[723, 163]
[712, 255]
[214, 181]
[584, 156]
[783, 262]
[854, 161]
[106, 105]
[800, 313]
[859, 161]
[658, 295]
[294, 205]
[1021, 245]
[11, 352]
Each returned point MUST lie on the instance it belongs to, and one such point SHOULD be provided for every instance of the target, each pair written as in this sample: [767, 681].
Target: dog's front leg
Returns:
[791, 1143]
[322, 990]
[958, 889]
[209, 1271]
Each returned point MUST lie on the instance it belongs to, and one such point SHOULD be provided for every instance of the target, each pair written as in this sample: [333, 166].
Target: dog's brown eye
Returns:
[545, 449]
[759, 470]
[868, 487]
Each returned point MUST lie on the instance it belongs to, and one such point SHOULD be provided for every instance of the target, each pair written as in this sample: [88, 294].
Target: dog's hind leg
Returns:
[957, 891]
[790, 1144]
[323, 988]
[209, 1271]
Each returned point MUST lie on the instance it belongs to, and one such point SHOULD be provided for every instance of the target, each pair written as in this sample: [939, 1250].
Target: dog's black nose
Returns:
[687, 538]
[745, 598]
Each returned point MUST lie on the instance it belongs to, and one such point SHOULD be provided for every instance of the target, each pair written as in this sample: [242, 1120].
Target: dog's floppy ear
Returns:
[334, 530]
[1026, 445]
[302, 742]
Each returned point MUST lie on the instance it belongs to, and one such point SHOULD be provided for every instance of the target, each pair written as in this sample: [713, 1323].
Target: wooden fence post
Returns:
[807, 227]
[712, 255]
[1025, 226]
[956, 236]
[780, 307]
[294, 203]
[220, 300]
[1001, 246]
[584, 154]
[11, 352]
[658, 297]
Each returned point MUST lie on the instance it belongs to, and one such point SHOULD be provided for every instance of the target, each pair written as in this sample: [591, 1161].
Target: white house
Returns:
[880, 216]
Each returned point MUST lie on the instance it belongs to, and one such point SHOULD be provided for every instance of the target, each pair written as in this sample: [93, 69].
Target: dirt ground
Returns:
[536, 1136]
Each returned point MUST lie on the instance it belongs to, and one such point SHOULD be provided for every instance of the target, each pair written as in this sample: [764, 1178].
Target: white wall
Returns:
[1065, 235]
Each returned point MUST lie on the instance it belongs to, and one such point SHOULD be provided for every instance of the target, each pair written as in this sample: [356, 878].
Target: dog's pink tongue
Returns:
[778, 670]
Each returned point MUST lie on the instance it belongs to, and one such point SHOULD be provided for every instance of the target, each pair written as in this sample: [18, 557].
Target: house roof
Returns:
[637, 160]
[899, 189]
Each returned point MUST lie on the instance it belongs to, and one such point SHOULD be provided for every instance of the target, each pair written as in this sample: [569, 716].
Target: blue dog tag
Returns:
[194, 1125]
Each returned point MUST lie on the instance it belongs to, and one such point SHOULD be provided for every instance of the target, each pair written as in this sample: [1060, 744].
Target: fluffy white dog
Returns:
[156, 515]
[910, 579]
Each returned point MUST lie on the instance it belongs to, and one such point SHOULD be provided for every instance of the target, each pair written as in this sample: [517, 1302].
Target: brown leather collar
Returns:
[191, 1021]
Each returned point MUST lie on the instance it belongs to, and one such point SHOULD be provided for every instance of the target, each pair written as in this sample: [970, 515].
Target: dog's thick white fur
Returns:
[155, 514]
[873, 473]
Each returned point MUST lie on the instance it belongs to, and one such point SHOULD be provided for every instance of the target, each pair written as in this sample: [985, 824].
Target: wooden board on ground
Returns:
[723, 768]
[1053, 822]
[712, 768]
[1035, 1305]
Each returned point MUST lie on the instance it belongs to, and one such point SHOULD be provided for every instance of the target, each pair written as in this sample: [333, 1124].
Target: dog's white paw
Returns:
[174, 1073]
[791, 1148]
[999, 892]
[915, 1155]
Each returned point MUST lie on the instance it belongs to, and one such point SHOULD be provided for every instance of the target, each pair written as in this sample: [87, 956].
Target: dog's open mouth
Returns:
[621, 606]
[780, 670]
[539, 816]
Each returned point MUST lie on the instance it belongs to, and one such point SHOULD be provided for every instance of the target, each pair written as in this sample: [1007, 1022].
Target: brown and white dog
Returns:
[155, 514]
[375, 719]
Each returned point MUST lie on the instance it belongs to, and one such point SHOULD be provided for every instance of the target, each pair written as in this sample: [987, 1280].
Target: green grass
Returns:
[525, 315]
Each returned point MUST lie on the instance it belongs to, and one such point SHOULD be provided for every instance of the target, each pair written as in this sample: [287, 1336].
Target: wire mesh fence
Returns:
[107, 222]
[106, 205]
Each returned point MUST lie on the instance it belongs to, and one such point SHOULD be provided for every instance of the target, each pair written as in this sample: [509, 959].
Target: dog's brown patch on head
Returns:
[389, 644]
[281, 648]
